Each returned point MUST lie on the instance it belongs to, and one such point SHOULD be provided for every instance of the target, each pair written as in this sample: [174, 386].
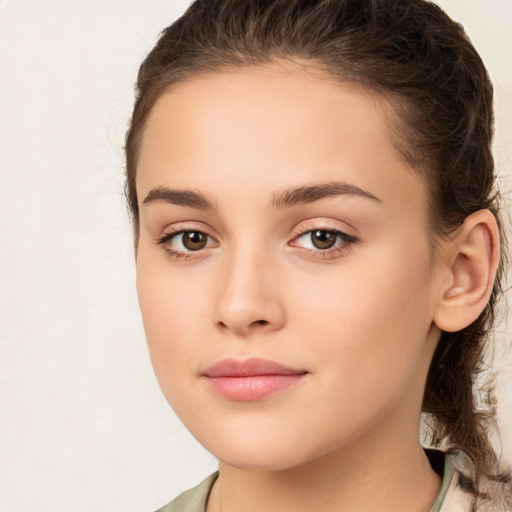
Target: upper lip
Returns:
[249, 367]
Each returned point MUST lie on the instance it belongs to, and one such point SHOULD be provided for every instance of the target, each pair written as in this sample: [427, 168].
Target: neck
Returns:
[366, 476]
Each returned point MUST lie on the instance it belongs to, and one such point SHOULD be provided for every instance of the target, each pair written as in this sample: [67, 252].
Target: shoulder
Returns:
[193, 500]
[459, 494]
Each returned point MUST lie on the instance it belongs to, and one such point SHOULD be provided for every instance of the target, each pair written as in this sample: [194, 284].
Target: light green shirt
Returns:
[454, 496]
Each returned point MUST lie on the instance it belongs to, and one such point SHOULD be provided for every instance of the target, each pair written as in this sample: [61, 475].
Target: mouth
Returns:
[252, 379]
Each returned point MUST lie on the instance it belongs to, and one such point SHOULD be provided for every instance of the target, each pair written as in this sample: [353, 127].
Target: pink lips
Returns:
[252, 379]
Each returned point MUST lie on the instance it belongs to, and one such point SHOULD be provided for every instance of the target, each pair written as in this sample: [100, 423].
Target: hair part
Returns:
[411, 53]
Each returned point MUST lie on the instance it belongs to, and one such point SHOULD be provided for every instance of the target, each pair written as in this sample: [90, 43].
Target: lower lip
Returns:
[254, 387]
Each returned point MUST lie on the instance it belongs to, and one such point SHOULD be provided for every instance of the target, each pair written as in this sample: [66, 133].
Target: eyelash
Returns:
[178, 255]
[347, 241]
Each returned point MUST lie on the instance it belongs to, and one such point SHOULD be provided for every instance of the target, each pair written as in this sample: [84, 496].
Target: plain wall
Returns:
[83, 425]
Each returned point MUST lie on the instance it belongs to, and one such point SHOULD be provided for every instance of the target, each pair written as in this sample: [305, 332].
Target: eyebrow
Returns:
[311, 193]
[283, 199]
[189, 198]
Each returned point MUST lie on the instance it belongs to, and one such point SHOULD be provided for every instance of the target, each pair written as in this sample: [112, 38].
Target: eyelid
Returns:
[175, 231]
[348, 240]
[173, 234]
[180, 227]
[324, 224]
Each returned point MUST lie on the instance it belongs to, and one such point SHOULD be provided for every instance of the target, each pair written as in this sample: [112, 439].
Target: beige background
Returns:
[83, 425]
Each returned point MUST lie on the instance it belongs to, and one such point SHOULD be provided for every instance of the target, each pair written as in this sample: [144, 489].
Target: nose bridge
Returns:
[249, 296]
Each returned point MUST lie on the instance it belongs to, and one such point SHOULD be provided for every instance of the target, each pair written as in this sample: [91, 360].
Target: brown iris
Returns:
[194, 240]
[322, 239]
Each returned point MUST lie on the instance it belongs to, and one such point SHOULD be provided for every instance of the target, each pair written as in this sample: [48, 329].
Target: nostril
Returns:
[261, 322]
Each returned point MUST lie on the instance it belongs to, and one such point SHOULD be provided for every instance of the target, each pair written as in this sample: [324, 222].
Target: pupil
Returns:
[323, 239]
[194, 240]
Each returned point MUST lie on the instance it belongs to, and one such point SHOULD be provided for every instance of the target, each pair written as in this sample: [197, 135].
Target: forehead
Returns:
[276, 125]
[282, 96]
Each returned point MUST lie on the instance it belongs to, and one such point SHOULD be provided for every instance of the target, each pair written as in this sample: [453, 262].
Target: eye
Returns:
[186, 241]
[323, 239]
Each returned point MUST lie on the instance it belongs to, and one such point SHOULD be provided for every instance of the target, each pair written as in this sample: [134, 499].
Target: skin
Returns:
[359, 319]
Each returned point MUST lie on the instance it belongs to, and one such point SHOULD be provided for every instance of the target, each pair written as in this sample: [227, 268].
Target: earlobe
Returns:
[471, 261]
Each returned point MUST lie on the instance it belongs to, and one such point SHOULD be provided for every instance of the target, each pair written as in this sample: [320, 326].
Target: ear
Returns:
[469, 265]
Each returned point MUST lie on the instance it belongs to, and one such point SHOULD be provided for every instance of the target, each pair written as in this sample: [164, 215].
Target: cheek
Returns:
[369, 320]
[173, 313]
[173, 317]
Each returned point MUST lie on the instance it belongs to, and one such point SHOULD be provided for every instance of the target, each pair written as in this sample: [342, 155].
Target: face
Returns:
[284, 270]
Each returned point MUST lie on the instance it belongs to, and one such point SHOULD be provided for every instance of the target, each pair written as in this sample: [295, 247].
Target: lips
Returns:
[251, 379]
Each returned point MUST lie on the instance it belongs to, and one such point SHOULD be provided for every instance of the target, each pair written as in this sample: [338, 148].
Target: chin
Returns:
[261, 452]
[259, 461]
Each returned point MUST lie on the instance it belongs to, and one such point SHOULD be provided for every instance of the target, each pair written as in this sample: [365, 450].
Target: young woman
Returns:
[319, 252]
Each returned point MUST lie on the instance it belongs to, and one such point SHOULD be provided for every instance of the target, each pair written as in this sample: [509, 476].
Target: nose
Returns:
[249, 298]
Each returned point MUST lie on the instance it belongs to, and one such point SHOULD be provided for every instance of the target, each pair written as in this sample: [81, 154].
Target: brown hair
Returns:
[414, 55]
